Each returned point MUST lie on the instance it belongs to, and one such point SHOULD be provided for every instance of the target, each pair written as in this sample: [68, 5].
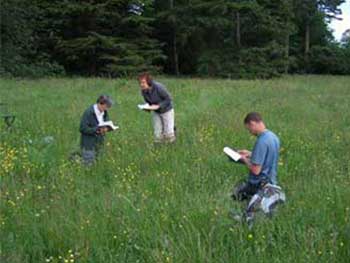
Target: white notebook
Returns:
[145, 106]
[232, 154]
[109, 125]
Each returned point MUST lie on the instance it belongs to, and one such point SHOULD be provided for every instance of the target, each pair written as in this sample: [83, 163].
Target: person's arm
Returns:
[256, 159]
[152, 107]
[146, 99]
[85, 128]
[253, 168]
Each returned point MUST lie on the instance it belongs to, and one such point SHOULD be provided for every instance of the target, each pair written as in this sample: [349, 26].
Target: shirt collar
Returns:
[265, 131]
[97, 111]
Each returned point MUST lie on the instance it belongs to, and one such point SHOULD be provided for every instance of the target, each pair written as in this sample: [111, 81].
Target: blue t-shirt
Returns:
[265, 154]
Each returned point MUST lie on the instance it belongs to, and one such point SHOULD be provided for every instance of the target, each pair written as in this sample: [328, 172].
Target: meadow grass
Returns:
[143, 203]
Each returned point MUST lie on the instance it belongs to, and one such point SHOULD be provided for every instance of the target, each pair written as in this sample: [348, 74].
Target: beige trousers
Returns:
[163, 125]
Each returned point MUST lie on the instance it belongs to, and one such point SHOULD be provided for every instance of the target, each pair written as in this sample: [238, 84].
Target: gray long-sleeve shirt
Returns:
[158, 94]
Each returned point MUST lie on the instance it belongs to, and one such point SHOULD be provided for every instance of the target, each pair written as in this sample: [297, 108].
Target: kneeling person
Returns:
[92, 136]
[262, 162]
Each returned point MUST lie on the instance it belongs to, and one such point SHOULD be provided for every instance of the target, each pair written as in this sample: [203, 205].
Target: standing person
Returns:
[262, 162]
[92, 136]
[159, 99]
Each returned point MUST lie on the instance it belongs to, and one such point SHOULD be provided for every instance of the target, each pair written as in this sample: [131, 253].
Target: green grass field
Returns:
[171, 203]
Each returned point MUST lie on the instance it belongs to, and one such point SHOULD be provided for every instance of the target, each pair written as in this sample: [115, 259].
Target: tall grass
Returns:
[143, 203]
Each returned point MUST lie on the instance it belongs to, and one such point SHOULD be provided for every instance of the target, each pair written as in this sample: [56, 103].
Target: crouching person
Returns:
[262, 163]
[92, 136]
[159, 99]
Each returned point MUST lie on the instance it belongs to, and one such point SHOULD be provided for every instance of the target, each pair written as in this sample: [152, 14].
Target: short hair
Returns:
[105, 99]
[253, 116]
[146, 76]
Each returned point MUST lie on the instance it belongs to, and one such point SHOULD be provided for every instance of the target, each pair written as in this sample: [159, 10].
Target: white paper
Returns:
[145, 106]
[108, 124]
[232, 154]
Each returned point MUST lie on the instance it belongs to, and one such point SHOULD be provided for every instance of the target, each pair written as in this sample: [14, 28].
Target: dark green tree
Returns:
[21, 53]
[311, 17]
[105, 37]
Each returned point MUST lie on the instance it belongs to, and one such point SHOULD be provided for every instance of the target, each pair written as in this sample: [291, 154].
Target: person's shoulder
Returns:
[157, 85]
[268, 133]
[270, 136]
[265, 137]
[89, 110]
[273, 135]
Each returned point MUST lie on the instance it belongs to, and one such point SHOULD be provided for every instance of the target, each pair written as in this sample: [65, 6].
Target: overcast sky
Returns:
[339, 26]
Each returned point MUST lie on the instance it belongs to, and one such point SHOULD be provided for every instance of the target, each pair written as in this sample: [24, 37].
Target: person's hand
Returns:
[102, 130]
[245, 159]
[245, 153]
[154, 107]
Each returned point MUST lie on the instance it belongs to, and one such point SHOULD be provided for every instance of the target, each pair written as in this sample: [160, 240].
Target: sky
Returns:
[339, 26]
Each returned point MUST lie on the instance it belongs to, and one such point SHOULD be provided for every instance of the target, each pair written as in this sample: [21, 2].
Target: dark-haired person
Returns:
[262, 161]
[157, 96]
[92, 137]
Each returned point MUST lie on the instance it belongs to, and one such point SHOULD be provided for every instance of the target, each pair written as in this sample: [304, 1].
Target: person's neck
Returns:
[262, 130]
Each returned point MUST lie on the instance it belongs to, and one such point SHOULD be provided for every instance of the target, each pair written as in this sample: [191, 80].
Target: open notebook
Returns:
[232, 154]
[109, 125]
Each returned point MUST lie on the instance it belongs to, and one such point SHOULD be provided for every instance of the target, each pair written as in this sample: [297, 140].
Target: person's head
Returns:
[254, 123]
[145, 81]
[104, 102]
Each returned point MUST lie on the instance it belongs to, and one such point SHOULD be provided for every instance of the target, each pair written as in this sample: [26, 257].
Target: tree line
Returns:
[224, 38]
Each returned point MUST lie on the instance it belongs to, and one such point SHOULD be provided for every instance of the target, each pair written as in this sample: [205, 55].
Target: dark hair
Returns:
[146, 76]
[252, 116]
[105, 99]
